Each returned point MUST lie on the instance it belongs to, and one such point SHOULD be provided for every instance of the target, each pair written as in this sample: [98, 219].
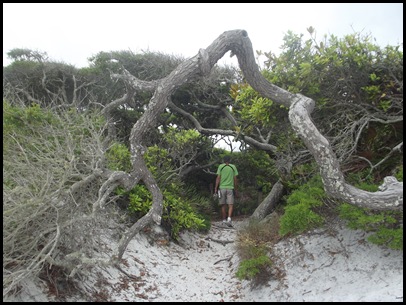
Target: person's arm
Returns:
[235, 185]
[217, 184]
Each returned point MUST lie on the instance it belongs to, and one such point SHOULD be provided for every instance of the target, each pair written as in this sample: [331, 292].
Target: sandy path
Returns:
[323, 266]
[200, 268]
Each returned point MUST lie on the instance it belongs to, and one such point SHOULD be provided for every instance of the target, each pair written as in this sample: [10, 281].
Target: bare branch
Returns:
[213, 131]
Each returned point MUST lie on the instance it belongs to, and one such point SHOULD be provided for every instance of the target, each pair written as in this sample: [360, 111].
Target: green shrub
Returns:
[252, 248]
[298, 219]
[179, 214]
[140, 200]
[119, 157]
[399, 173]
[206, 222]
[392, 238]
[299, 216]
[25, 118]
[202, 203]
[385, 225]
[23, 122]
[364, 219]
[250, 268]
[310, 198]
[311, 193]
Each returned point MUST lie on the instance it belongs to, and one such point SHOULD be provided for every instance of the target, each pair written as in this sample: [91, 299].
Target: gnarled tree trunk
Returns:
[270, 201]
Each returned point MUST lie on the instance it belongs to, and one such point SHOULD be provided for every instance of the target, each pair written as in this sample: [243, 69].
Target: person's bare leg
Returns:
[230, 210]
[223, 211]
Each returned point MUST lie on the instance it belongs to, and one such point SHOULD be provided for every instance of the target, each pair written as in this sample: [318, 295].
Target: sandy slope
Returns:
[325, 265]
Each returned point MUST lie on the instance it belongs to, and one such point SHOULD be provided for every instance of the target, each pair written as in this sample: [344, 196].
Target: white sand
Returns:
[319, 266]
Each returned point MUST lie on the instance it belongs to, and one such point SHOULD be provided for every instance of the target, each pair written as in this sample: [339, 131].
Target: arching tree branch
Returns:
[238, 42]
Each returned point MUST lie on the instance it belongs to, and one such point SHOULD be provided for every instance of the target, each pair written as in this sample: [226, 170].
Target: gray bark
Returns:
[270, 201]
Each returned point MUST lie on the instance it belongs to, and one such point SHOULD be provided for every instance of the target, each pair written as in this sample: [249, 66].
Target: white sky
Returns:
[72, 32]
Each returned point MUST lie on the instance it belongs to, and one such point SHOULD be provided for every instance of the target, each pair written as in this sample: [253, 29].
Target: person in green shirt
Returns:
[226, 188]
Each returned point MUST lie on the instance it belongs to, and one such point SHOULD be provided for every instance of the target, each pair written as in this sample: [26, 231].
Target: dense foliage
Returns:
[178, 213]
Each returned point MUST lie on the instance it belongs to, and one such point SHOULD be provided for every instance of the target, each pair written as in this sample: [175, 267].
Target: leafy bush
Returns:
[399, 173]
[392, 238]
[252, 248]
[140, 200]
[384, 225]
[250, 268]
[119, 157]
[178, 213]
[203, 204]
[298, 219]
[160, 164]
[299, 216]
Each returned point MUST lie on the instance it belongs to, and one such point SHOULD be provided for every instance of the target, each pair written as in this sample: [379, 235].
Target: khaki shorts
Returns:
[227, 196]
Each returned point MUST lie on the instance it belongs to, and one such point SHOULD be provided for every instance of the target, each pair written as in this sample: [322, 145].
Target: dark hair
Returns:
[227, 159]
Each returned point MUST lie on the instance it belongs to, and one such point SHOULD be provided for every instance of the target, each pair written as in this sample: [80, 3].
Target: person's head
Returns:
[227, 159]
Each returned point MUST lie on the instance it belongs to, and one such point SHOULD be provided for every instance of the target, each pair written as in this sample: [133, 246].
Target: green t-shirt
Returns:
[227, 173]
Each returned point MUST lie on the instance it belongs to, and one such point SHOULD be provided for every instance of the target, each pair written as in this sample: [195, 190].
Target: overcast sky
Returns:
[72, 32]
